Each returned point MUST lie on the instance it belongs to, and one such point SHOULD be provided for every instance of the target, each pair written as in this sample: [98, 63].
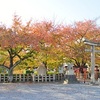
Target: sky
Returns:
[60, 11]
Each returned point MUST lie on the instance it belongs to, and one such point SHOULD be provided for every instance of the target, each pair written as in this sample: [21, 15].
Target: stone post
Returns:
[92, 64]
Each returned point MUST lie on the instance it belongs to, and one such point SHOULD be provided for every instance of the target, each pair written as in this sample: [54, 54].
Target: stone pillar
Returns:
[71, 78]
[92, 64]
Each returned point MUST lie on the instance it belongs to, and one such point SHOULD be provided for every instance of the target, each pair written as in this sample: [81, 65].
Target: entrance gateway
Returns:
[92, 50]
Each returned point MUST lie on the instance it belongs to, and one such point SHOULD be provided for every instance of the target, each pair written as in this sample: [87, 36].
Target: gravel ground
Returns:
[48, 91]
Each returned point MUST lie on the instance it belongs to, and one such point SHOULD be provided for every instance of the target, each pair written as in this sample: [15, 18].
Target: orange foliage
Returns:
[46, 32]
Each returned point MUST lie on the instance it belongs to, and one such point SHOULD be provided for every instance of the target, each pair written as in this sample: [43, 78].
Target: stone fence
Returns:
[32, 78]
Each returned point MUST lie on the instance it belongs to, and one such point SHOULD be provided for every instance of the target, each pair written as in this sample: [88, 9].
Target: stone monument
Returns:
[70, 76]
[41, 70]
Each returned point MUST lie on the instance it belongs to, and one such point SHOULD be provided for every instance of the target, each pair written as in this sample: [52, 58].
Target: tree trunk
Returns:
[10, 75]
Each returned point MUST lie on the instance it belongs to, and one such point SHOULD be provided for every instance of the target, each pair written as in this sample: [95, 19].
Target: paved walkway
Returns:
[48, 91]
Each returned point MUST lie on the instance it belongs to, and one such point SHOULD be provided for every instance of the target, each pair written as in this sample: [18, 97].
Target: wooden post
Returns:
[20, 77]
[23, 77]
[42, 78]
[4, 78]
[0, 77]
[33, 77]
[46, 78]
[49, 78]
[38, 78]
[53, 77]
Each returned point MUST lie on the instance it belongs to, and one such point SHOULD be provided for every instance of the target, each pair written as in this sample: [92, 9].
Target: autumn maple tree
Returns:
[44, 31]
[18, 42]
[71, 39]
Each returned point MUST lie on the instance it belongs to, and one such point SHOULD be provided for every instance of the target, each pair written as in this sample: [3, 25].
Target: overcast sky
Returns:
[66, 11]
